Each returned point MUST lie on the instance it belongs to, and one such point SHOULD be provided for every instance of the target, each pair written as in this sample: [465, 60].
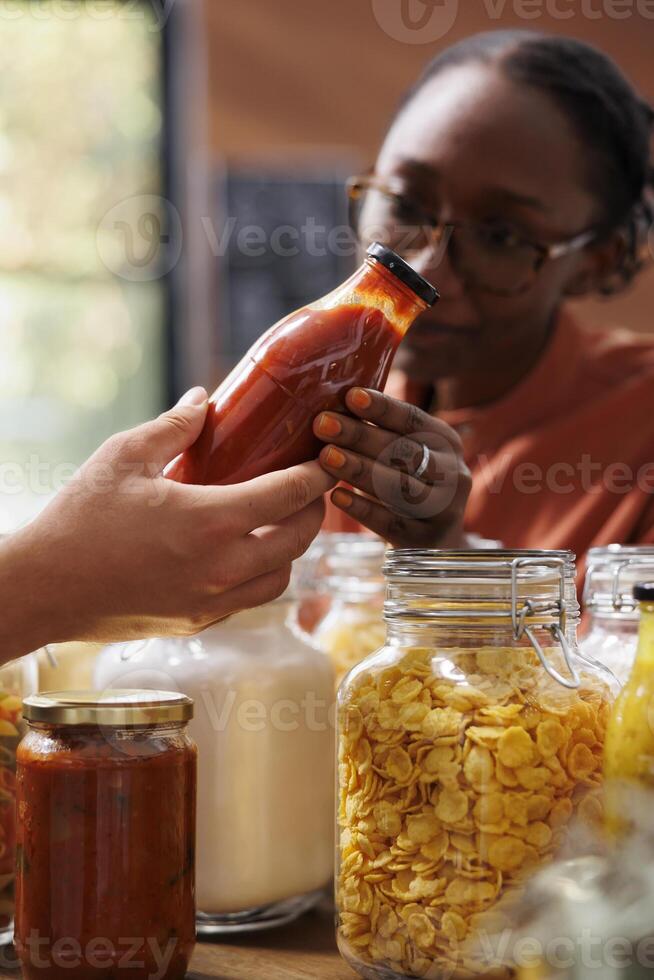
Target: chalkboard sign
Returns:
[282, 242]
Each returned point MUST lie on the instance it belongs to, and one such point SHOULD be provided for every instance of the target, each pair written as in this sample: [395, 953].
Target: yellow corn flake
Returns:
[454, 926]
[399, 765]
[533, 777]
[485, 735]
[436, 849]
[489, 809]
[585, 735]
[506, 853]
[538, 806]
[388, 922]
[515, 748]
[479, 768]
[452, 806]
[463, 843]
[412, 716]
[580, 715]
[407, 689]
[352, 723]
[442, 721]
[462, 892]
[560, 813]
[538, 834]
[530, 718]
[421, 930]
[505, 775]
[362, 756]
[357, 897]
[503, 714]
[437, 758]
[422, 827]
[581, 761]
[550, 737]
[388, 715]
[387, 818]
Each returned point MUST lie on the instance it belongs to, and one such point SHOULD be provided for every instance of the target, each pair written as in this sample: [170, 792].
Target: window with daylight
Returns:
[82, 336]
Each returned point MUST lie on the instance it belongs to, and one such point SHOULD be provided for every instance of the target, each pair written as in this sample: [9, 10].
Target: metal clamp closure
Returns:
[529, 608]
[617, 601]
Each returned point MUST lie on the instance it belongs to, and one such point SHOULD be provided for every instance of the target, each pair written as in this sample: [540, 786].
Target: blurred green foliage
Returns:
[81, 350]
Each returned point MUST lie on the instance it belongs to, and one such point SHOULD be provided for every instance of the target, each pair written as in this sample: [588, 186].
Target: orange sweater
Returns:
[566, 458]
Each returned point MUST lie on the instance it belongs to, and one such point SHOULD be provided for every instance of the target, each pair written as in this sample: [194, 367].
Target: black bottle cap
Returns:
[644, 592]
[392, 261]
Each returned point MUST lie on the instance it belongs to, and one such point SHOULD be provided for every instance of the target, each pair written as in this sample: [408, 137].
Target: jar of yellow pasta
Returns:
[17, 679]
[468, 745]
[343, 586]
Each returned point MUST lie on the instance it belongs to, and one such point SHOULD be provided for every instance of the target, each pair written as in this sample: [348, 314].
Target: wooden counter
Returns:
[305, 950]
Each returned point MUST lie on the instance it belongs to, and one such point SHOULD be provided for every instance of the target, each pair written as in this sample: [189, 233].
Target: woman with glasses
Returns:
[515, 176]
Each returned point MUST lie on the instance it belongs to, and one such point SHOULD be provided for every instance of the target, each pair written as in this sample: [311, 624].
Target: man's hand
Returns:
[122, 552]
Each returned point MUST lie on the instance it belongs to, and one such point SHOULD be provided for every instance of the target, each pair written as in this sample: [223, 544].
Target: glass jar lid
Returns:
[522, 590]
[348, 565]
[488, 584]
[611, 575]
[120, 708]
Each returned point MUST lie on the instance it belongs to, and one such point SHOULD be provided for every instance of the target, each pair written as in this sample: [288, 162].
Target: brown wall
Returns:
[290, 78]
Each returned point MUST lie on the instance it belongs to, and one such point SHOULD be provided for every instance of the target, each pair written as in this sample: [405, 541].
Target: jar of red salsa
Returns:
[106, 797]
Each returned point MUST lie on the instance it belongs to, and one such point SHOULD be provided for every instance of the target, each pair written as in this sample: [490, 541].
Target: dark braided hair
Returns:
[613, 121]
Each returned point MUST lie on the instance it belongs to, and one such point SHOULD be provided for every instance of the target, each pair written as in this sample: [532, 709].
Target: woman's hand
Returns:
[407, 464]
[122, 552]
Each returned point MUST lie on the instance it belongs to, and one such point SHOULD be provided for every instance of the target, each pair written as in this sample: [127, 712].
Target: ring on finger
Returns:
[424, 462]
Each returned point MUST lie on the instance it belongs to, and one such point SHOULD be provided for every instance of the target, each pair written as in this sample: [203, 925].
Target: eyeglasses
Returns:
[486, 255]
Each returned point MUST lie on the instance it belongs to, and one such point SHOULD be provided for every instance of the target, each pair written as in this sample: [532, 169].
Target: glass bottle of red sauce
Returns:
[106, 796]
[260, 418]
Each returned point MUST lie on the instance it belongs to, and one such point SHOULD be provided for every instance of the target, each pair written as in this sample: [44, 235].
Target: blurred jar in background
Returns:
[67, 666]
[264, 728]
[17, 680]
[342, 587]
[612, 635]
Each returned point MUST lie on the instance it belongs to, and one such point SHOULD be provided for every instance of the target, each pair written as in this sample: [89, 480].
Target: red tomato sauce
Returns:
[261, 419]
[105, 847]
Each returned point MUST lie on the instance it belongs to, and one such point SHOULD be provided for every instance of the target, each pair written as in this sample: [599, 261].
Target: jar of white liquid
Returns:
[264, 729]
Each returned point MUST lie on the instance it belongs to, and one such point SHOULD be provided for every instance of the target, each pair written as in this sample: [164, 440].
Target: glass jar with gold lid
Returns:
[106, 804]
[467, 745]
